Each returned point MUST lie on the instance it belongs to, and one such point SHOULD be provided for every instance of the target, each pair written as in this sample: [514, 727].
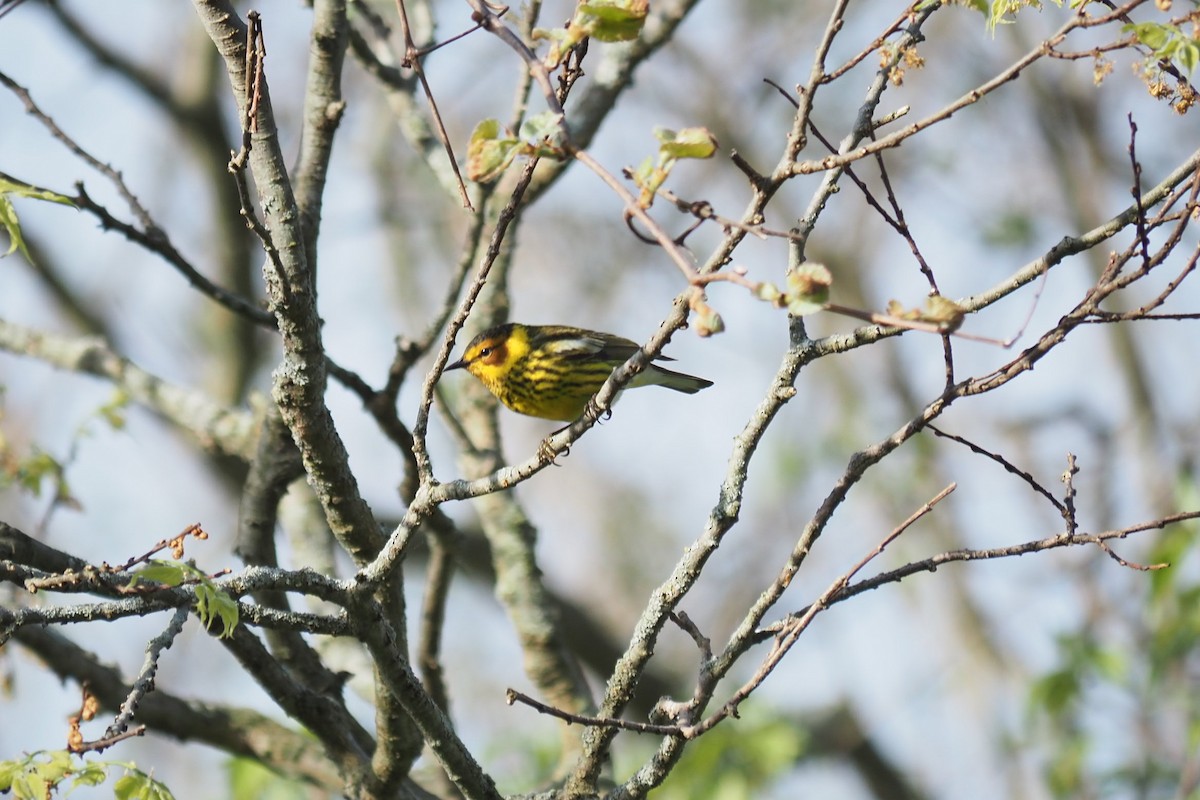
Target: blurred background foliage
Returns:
[1056, 675]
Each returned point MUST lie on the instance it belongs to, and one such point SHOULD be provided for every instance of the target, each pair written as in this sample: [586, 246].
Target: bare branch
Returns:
[223, 430]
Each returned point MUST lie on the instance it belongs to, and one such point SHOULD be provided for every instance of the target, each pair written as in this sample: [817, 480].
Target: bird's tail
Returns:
[655, 375]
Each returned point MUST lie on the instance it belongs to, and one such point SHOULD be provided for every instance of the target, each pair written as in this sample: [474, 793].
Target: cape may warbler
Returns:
[550, 371]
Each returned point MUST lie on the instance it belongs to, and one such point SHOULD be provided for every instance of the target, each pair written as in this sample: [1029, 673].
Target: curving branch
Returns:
[214, 427]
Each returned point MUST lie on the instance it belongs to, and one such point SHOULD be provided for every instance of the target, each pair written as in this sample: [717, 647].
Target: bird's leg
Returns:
[546, 453]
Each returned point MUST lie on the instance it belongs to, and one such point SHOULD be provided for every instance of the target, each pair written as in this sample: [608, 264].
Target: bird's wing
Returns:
[583, 343]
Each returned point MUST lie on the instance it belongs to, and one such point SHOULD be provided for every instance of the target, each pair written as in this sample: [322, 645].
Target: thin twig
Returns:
[970, 98]
[634, 209]
[489, 19]
[412, 59]
[8, 5]
[790, 633]
[421, 425]
[513, 696]
[150, 236]
[1130, 564]
[1008, 466]
[144, 682]
[933, 563]
[689, 627]
[1136, 191]
[1068, 504]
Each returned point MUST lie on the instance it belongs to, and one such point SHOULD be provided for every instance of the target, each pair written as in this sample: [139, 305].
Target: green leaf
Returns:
[943, 312]
[603, 20]
[8, 212]
[212, 603]
[808, 289]
[1056, 691]
[31, 786]
[127, 787]
[562, 40]
[1002, 11]
[612, 20]
[91, 774]
[1152, 34]
[1188, 55]
[542, 135]
[645, 171]
[171, 574]
[37, 467]
[113, 412]
[1169, 43]
[939, 310]
[489, 152]
[8, 218]
[250, 780]
[687, 143]
[56, 767]
[227, 609]
[138, 785]
[542, 127]
[9, 770]
[769, 292]
[648, 177]
[21, 189]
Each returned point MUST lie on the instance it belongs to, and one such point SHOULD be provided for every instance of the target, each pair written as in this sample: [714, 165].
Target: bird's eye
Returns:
[485, 352]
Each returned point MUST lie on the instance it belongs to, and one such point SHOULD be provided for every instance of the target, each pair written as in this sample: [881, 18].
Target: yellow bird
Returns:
[550, 371]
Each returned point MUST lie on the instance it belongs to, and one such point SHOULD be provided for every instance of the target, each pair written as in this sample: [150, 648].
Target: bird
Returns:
[551, 371]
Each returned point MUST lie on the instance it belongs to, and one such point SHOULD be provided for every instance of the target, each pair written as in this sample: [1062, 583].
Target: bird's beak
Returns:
[460, 364]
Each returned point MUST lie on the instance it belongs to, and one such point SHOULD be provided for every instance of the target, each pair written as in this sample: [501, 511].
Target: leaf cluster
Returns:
[37, 775]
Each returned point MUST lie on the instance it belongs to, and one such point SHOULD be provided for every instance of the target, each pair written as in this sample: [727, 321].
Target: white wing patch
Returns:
[575, 346]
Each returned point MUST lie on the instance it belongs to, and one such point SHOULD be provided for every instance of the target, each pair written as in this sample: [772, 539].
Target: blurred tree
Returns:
[888, 216]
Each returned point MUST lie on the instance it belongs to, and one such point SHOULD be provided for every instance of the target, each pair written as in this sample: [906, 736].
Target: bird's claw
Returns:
[547, 455]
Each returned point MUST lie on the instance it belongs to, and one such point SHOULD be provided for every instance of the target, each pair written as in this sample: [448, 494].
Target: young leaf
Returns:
[8, 212]
[1152, 34]
[489, 152]
[943, 312]
[8, 218]
[542, 135]
[938, 310]
[546, 126]
[769, 292]
[708, 322]
[562, 40]
[90, 774]
[20, 189]
[113, 412]
[808, 289]
[612, 20]
[160, 572]
[687, 143]
[648, 177]
[127, 787]
[211, 603]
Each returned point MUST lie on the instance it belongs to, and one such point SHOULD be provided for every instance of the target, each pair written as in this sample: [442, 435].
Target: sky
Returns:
[902, 655]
